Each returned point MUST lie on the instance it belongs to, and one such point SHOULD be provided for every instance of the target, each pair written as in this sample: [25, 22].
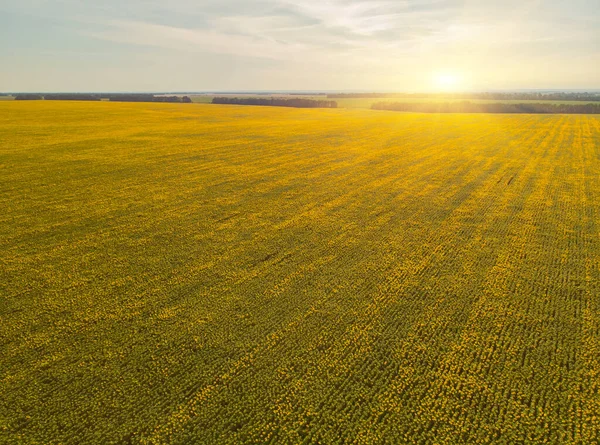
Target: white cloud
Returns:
[361, 40]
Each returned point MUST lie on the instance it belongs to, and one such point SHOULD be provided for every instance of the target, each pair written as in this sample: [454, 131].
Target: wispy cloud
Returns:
[285, 29]
[197, 40]
[335, 38]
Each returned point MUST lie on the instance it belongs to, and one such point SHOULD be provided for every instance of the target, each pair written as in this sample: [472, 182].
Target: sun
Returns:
[447, 81]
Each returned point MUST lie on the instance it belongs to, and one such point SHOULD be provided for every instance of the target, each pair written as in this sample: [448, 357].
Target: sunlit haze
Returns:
[448, 82]
[379, 45]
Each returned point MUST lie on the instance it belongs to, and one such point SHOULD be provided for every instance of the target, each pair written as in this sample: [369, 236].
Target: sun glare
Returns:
[446, 81]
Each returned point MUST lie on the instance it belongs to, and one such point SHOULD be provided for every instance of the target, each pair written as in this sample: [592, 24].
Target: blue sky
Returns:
[151, 45]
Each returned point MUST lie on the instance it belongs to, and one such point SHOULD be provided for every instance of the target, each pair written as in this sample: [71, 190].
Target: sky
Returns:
[235, 45]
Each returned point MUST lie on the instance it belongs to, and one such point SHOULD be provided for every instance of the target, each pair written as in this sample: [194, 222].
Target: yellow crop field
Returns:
[191, 273]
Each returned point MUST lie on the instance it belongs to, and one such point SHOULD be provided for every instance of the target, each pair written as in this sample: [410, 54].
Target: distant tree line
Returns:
[74, 96]
[147, 98]
[264, 93]
[110, 97]
[174, 99]
[29, 97]
[275, 102]
[498, 107]
[566, 96]
[243, 93]
[130, 97]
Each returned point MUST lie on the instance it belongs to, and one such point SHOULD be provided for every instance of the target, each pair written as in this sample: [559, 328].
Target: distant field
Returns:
[202, 99]
[368, 102]
[173, 273]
